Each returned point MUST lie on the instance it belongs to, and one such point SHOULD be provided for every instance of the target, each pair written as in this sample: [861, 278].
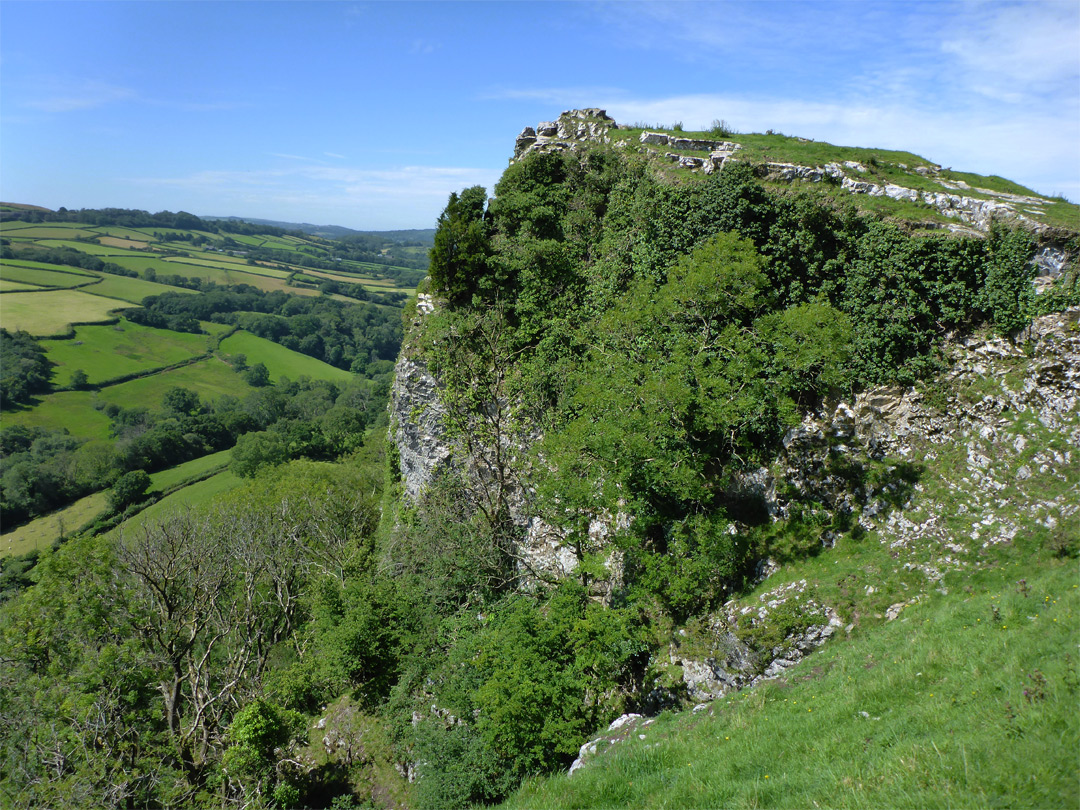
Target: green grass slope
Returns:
[108, 352]
[968, 700]
[279, 360]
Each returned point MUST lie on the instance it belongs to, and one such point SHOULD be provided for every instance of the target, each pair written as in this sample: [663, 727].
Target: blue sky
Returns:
[369, 114]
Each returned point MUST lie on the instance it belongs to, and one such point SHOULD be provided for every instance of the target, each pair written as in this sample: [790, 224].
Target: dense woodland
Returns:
[660, 337]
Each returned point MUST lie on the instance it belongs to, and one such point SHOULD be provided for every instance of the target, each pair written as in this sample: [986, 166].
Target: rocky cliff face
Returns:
[1007, 397]
[954, 463]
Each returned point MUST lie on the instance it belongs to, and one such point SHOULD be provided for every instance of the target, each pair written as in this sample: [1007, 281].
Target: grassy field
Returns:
[969, 700]
[107, 352]
[244, 267]
[133, 290]
[217, 273]
[50, 313]
[5, 284]
[211, 378]
[60, 268]
[92, 248]
[43, 532]
[73, 410]
[196, 469]
[120, 242]
[196, 494]
[44, 276]
[280, 361]
[45, 231]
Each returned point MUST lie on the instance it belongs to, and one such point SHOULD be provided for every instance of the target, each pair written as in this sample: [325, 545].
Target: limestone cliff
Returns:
[996, 394]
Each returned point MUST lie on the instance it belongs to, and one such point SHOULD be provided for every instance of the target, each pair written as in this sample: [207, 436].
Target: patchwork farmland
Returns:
[160, 347]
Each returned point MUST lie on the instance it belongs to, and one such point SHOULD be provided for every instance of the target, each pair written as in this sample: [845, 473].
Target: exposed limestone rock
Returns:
[419, 430]
[721, 657]
[1051, 262]
[619, 730]
[573, 128]
[526, 139]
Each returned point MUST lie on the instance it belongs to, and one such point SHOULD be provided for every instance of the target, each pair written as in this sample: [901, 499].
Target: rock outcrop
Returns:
[974, 212]
[573, 128]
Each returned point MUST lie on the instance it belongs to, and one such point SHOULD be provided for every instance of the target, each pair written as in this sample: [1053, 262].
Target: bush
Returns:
[129, 489]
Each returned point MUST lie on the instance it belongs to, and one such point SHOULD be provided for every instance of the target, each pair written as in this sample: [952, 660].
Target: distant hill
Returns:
[422, 237]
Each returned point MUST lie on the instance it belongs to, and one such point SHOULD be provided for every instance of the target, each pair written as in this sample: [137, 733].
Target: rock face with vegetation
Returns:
[660, 390]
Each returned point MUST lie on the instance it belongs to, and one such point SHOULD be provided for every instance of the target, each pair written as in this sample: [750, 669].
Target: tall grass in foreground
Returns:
[966, 700]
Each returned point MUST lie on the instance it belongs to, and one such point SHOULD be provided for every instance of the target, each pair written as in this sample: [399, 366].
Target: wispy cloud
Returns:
[1018, 51]
[395, 197]
[422, 47]
[334, 155]
[85, 95]
[294, 157]
[58, 95]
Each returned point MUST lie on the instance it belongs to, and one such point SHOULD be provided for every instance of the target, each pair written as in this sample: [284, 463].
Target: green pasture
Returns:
[44, 278]
[218, 274]
[133, 234]
[196, 469]
[32, 265]
[44, 531]
[133, 290]
[107, 352]
[139, 263]
[244, 267]
[375, 284]
[197, 494]
[284, 242]
[148, 233]
[12, 286]
[280, 361]
[213, 329]
[93, 248]
[73, 410]
[42, 316]
[210, 378]
[211, 255]
[967, 701]
[245, 239]
[47, 232]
